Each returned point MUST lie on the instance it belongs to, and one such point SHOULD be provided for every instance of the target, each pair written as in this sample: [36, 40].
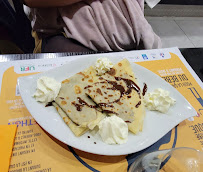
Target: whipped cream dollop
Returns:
[159, 100]
[47, 89]
[103, 65]
[113, 130]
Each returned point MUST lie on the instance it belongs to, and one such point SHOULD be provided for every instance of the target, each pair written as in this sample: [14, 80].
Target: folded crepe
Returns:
[86, 98]
[76, 104]
[117, 92]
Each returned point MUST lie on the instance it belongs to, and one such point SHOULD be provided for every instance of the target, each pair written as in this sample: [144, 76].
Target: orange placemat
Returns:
[35, 150]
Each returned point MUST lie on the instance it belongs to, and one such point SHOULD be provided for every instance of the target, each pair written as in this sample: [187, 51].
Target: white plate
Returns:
[156, 125]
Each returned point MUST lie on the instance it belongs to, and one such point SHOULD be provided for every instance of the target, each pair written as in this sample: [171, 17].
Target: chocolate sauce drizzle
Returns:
[130, 85]
[112, 72]
[138, 104]
[105, 105]
[108, 111]
[48, 104]
[115, 86]
[78, 106]
[82, 102]
[88, 86]
[144, 89]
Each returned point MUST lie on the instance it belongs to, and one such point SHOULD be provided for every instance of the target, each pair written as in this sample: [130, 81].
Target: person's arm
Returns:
[49, 3]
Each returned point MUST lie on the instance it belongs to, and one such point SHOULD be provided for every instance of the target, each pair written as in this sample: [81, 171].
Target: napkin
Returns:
[7, 136]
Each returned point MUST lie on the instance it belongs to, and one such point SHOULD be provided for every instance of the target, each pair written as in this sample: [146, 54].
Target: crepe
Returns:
[77, 130]
[117, 92]
[75, 103]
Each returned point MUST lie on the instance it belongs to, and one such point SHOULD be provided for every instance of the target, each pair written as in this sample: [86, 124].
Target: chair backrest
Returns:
[18, 25]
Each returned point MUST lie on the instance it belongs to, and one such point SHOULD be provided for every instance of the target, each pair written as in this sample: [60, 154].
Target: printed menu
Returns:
[37, 151]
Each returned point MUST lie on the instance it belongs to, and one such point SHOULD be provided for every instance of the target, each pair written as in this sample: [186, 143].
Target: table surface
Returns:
[194, 56]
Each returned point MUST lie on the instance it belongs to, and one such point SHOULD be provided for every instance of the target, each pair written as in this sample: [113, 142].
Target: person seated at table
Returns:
[91, 25]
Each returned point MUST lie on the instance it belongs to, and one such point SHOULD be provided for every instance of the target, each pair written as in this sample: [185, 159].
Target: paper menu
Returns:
[36, 150]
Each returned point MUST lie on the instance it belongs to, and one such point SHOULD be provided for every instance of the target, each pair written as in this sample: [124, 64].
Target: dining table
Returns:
[194, 56]
[37, 150]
